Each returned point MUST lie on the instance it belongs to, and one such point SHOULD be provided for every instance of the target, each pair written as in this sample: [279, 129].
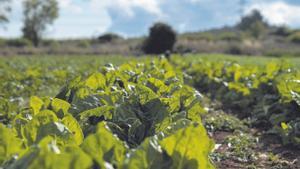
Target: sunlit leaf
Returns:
[96, 81]
[71, 123]
[10, 145]
[189, 148]
[58, 104]
[36, 104]
[104, 147]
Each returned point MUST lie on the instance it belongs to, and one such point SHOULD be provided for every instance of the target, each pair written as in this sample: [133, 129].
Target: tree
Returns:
[250, 19]
[257, 29]
[4, 10]
[253, 23]
[161, 39]
[38, 14]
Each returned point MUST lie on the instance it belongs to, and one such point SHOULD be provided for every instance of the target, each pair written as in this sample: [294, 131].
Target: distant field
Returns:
[62, 60]
[60, 69]
[47, 74]
[115, 59]
[258, 60]
[23, 76]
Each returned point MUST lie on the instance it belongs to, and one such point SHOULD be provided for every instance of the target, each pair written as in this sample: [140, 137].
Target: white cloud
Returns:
[81, 20]
[127, 7]
[151, 6]
[64, 3]
[196, 1]
[278, 12]
[70, 5]
[94, 16]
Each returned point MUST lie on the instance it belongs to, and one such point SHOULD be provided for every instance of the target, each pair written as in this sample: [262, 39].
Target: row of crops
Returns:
[138, 115]
[269, 95]
[141, 114]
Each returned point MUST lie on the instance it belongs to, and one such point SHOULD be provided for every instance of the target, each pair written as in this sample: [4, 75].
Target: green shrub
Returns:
[109, 37]
[20, 42]
[282, 31]
[84, 44]
[50, 43]
[161, 39]
[257, 29]
[2, 42]
[206, 36]
[295, 37]
[230, 36]
[234, 50]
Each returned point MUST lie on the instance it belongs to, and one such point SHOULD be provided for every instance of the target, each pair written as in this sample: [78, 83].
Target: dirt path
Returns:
[239, 146]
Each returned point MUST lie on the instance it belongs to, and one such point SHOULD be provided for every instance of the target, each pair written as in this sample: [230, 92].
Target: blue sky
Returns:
[89, 18]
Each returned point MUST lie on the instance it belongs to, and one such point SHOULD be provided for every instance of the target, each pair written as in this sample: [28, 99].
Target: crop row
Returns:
[138, 115]
[268, 95]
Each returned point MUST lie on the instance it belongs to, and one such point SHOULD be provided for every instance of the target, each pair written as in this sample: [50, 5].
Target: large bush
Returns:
[161, 39]
[282, 31]
[109, 37]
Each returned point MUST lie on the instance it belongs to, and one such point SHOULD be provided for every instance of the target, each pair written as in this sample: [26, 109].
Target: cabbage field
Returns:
[192, 112]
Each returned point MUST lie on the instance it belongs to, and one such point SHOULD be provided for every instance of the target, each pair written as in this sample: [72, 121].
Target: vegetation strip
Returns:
[138, 115]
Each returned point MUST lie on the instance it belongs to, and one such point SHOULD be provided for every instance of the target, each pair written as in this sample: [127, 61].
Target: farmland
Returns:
[128, 112]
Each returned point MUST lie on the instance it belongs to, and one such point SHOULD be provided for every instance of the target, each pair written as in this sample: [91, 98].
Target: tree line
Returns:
[39, 14]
